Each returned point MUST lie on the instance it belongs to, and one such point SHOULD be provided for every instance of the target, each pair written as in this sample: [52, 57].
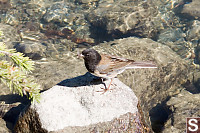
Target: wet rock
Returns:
[10, 18]
[191, 9]
[197, 54]
[23, 11]
[122, 18]
[175, 39]
[4, 5]
[193, 33]
[64, 15]
[57, 13]
[35, 11]
[73, 105]
[33, 50]
[170, 35]
[65, 67]
[86, 1]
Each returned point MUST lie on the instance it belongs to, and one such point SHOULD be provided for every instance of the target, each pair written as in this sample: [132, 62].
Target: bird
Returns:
[108, 66]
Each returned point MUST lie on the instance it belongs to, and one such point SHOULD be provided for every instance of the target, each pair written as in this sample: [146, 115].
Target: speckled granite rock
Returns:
[75, 103]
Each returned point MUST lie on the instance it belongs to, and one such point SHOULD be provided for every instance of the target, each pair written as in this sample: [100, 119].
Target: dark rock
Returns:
[175, 39]
[170, 35]
[33, 50]
[10, 107]
[3, 128]
[182, 105]
[32, 124]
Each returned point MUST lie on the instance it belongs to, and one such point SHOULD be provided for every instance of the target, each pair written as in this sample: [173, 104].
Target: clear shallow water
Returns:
[89, 22]
[47, 30]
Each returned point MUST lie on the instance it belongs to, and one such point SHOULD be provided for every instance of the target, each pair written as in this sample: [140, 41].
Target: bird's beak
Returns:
[79, 55]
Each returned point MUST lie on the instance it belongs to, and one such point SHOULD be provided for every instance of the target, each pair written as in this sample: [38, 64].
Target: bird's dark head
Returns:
[92, 58]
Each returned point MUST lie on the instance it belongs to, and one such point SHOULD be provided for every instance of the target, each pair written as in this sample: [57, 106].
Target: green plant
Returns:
[14, 69]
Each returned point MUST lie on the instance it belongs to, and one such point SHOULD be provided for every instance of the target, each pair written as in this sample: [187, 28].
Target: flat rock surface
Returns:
[63, 106]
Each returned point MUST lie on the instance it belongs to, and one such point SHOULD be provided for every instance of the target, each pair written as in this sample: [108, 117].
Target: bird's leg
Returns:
[106, 88]
[109, 84]
[102, 80]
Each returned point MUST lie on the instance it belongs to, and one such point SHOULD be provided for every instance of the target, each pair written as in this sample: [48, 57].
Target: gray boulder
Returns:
[78, 104]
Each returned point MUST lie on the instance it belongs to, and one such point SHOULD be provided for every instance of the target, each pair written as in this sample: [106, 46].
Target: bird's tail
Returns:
[142, 64]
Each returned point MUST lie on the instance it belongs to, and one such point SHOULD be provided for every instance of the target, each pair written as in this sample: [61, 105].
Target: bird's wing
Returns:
[109, 63]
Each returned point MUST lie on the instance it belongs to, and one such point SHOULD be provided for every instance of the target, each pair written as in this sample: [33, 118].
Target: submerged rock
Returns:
[122, 18]
[191, 9]
[33, 50]
[57, 13]
[175, 39]
[193, 32]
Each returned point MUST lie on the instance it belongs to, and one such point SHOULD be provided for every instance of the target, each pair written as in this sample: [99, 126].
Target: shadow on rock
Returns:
[13, 98]
[10, 108]
[83, 80]
[159, 115]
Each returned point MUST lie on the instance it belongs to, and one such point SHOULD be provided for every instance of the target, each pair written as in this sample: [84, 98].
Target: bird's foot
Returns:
[104, 90]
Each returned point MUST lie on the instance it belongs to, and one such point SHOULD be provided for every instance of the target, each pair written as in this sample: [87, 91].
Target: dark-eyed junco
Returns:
[108, 66]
